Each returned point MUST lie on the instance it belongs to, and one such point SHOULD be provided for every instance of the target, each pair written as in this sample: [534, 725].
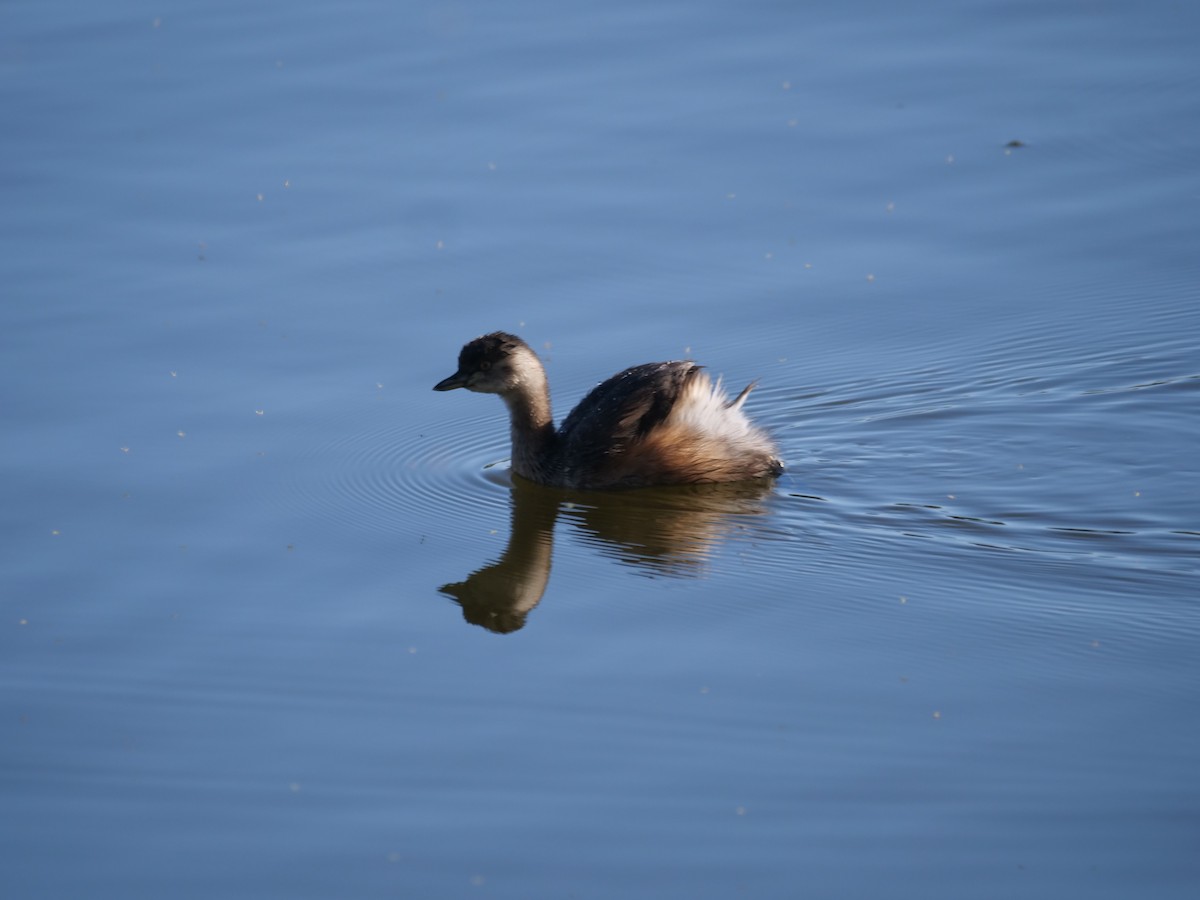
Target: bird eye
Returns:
[484, 366]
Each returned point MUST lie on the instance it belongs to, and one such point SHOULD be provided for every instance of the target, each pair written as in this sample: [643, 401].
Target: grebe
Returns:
[658, 423]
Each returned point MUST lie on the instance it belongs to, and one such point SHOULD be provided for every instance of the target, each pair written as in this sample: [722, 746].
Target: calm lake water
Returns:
[278, 623]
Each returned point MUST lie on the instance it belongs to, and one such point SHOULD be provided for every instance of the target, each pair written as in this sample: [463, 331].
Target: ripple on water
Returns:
[961, 472]
[1043, 462]
[382, 473]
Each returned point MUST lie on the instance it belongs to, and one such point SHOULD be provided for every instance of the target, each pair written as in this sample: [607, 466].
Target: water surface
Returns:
[277, 620]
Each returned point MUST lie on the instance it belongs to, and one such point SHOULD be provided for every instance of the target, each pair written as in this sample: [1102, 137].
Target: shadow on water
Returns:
[668, 531]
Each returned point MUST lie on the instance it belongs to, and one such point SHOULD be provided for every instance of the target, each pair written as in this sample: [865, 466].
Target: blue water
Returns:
[276, 621]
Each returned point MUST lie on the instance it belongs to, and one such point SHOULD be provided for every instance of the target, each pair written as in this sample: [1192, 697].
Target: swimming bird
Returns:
[657, 423]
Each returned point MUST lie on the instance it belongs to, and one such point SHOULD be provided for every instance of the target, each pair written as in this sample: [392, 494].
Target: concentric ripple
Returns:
[381, 472]
[998, 465]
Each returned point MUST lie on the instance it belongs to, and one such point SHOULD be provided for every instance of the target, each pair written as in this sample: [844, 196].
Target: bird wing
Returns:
[619, 411]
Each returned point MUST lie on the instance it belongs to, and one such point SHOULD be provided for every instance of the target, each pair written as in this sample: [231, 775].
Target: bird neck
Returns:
[532, 427]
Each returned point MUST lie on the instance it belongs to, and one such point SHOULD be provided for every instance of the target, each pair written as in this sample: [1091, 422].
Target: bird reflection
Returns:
[670, 531]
